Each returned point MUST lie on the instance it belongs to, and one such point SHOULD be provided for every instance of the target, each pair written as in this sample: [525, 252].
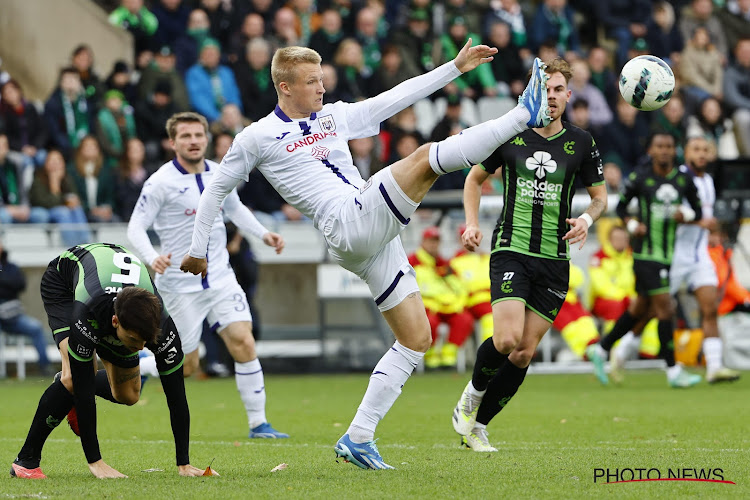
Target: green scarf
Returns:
[76, 119]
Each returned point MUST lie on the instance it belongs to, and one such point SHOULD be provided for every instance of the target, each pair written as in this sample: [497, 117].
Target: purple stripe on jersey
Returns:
[281, 114]
[199, 180]
[206, 164]
[214, 327]
[313, 116]
[403, 220]
[437, 157]
[379, 300]
[178, 166]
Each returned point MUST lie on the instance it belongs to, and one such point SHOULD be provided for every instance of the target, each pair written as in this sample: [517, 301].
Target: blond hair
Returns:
[559, 65]
[286, 60]
[184, 117]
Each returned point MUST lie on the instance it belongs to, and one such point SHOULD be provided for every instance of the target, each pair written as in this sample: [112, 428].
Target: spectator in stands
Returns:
[671, 118]
[20, 121]
[12, 317]
[67, 113]
[711, 123]
[133, 16]
[186, 47]
[405, 144]
[419, 48]
[735, 20]
[266, 8]
[163, 69]
[737, 92]
[334, 93]
[82, 59]
[253, 75]
[365, 156]
[285, 28]
[600, 112]
[700, 13]
[366, 33]
[451, 123]
[151, 115]
[115, 125]
[354, 78]
[602, 76]
[211, 85]
[700, 69]
[473, 84]
[14, 204]
[267, 205]
[548, 51]
[470, 12]
[220, 15]
[221, 144]
[172, 16]
[580, 116]
[507, 66]
[612, 176]
[253, 27]
[663, 35]
[392, 71]
[230, 122]
[131, 174]
[624, 21]
[553, 22]
[308, 19]
[734, 297]
[120, 79]
[444, 298]
[508, 12]
[403, 122]
[327, 38]
[54, 192]
[94, 181]
[625, 136]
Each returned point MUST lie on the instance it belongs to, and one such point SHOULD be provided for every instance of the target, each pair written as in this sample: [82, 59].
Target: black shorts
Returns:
[540, 283]
[651, 278]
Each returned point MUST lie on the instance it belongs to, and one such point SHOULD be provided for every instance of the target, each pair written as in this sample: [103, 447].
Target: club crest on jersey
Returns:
[326, 123]
[320, 153]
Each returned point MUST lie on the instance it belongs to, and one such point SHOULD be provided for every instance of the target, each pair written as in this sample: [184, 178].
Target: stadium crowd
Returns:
[84, 154]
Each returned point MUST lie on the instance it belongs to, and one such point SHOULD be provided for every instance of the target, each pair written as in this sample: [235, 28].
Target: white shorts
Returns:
[363, 237]
[222, 304]
[695, 274]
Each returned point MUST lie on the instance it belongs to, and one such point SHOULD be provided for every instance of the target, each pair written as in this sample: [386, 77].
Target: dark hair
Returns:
[65, 71]
[139, 311]
[184, 117]
[658, 132]
[580, 103]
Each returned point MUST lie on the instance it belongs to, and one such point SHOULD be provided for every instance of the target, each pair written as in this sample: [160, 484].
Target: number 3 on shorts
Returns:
[131, 274]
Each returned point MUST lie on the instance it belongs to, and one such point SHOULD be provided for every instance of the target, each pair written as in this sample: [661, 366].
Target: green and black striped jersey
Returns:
[539, 178]
[659, 198]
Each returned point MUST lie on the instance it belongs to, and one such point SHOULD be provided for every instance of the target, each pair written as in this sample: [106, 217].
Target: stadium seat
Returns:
[493, 107]
[725, 209]
[6, 340]
[427, 116]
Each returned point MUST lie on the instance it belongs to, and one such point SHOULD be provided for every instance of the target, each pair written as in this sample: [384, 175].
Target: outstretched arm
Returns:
[381, 107]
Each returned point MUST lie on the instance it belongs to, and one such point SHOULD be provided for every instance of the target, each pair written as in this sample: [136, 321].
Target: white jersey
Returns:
[168, 202]
[691, 239]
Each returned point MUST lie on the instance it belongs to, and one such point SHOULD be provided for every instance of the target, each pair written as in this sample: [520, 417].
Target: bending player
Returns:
[100, 301]
[168, 202]
[301, 148]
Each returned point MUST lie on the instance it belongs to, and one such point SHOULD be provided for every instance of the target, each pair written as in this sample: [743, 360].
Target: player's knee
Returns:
[128, 397]
[67, 381]
[190, 365]
[505, 342]
[521, 358]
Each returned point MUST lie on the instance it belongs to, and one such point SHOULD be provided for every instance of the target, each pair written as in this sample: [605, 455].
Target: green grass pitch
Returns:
[551, 437]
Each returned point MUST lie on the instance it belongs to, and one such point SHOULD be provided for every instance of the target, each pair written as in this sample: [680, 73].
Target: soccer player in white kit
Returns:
[692, 266]
[301, 148]
[168, 202]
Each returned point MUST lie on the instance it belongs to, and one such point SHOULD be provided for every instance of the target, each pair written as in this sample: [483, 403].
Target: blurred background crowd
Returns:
[83, 154]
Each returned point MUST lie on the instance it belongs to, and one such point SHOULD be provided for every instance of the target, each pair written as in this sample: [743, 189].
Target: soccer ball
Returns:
[646, 83]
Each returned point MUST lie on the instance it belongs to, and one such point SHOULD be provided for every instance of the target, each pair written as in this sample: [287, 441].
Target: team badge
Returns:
[326, 123]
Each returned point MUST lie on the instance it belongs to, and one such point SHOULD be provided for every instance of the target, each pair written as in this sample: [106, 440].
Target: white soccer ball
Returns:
[646, 83]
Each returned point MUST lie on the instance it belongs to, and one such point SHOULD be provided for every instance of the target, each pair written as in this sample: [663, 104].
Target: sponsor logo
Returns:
[667, 194]
[518, 141]
[557, 293]
[568, 147]
[112, 340]
[358, 203]
[85, 331]
[282, 135]
[367, 185]
[171, 356]
[112, 289]
[52, 422]
[540, 191]
[326, 123]
[182, 191]
[83, 351]
[94, 323]
[320, 153]
[167, 342]
[505, 287]
[554, 311]
[308, 141]
[189, 212]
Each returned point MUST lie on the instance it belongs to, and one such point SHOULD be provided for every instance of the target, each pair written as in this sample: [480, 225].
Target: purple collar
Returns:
[285, 118]
[182, 169]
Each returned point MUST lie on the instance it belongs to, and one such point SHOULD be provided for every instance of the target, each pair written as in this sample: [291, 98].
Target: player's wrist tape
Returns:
[633, 225]
[587, 218]
[688, 214]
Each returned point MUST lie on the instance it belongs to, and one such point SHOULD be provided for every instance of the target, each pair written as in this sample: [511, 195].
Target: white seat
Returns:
[7, 356]
[494, 107]
[427, 116]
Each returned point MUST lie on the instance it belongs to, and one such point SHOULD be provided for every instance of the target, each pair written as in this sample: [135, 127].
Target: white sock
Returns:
[475, 392]
[628, 346]
[475, 144]
[148, 366]
[249, 378]
[386, 381]
[604, 354]
[712, 352]
[674, 371]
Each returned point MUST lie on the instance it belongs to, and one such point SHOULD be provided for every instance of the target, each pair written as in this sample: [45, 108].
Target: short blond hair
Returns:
[559, 65]
[286, 60]
[184, 117]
